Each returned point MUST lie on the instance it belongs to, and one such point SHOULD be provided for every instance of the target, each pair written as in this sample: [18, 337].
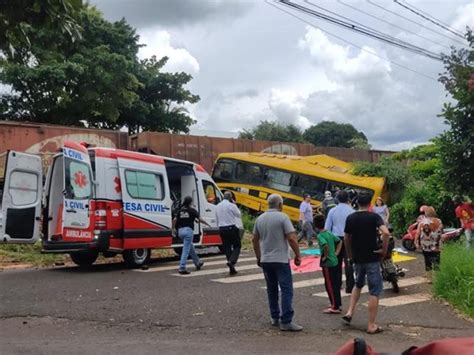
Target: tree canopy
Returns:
[457, 143]
[97, 80]
[333, 134]
[274, 131]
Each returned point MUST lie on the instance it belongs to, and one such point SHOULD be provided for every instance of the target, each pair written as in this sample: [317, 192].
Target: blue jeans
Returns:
[279, 274]
[373, 274]
[186, 235]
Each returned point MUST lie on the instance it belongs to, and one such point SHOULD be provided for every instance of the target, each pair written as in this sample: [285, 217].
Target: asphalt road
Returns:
[110, 309]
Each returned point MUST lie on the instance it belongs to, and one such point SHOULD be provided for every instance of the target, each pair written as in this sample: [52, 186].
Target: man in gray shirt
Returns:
[273, 233]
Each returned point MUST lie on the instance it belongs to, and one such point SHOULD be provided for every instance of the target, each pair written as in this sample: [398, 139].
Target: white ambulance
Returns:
[103, 201]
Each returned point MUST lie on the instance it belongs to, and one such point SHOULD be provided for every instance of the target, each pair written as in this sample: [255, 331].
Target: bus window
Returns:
[279, 180]
[224, 170]
[249, 173]
[309, 185]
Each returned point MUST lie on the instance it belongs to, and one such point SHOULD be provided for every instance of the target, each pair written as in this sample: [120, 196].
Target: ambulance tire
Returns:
[84, 258]
[221, 248]
[136, 257]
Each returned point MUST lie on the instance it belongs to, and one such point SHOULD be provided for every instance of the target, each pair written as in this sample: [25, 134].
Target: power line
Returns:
[428, 18]
[350, 43]
[368, 32]
[414, 22]
[378, 33]
[391, 24]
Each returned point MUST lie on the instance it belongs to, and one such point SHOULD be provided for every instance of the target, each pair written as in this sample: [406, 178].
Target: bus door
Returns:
[20, 212]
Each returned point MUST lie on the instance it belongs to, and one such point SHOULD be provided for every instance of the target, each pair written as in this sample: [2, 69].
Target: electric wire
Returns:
[352, 27]
[414, 22]
[348, 42]
[392, 24]
[371, 30]
[429, 18]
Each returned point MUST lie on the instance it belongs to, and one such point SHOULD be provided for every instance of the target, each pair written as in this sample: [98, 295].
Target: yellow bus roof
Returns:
[320, 165]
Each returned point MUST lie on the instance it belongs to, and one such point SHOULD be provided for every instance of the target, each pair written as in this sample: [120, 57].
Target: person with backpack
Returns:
[184, 224]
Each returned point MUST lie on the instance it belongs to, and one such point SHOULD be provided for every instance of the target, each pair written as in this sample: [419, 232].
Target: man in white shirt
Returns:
[228, 220]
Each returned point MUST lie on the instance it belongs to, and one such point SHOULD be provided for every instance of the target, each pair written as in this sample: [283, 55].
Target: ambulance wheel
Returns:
[136, 257]
[178, 250]
[84, 258]
[221, 248]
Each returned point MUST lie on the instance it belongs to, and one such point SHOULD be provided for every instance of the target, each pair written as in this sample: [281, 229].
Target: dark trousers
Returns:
[332, 282]
[279, 274]
[432, 259]
[231, 243]
[348, 269]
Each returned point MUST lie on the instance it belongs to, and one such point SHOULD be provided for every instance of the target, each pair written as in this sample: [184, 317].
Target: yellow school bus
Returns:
[252, 177]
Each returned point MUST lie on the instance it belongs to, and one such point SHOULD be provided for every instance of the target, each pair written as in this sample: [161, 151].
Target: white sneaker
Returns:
[291, 327]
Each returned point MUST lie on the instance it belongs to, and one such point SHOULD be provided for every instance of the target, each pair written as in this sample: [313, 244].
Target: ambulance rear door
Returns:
[78, 193]
[20, 212]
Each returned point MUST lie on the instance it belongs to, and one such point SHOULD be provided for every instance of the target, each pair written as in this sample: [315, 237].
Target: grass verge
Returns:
[11, 254]
[454, 281]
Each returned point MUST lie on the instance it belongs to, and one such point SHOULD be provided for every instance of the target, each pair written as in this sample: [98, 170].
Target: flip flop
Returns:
[331, 311]
[376, 331]
[347, 319]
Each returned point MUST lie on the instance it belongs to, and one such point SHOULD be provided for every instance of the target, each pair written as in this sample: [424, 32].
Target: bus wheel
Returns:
[84, 258]
[136, 257]
[178, 250]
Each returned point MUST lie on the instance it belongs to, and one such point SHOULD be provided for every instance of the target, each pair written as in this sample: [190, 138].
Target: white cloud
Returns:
[158, 43]
[286, 106]
[464, 17]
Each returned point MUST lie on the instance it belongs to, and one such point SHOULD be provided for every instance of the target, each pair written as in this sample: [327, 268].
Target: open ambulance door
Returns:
[77, 193]
[21, 202]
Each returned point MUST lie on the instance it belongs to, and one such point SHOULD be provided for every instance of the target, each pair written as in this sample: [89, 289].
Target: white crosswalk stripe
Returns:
[404, 299]
[401, 283]
[217, 271]
[174, 265]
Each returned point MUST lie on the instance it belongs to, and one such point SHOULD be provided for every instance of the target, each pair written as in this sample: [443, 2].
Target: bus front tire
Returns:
[84, 258]
[134, 258]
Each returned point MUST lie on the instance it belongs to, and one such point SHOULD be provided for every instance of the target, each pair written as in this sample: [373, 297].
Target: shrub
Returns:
[454, 281]
[248, 221]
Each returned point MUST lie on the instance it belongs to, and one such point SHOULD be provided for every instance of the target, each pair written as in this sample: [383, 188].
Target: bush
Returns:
[248, 221]
[454, 281]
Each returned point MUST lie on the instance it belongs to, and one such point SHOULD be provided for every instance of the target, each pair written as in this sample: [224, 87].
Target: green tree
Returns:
[333, 134]
[274, 131]
[97, 80]
[457, 143]
[19, 17]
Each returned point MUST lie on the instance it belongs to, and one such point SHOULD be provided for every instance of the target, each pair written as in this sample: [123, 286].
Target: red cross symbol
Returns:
[118, 186]
[80, 179]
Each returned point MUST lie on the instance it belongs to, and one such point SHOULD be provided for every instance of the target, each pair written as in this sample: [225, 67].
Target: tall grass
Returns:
[454, 281]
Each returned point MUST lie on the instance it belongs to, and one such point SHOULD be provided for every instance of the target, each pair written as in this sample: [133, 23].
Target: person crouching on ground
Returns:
[184, 223]
[228, 218]
[330, 246]
[272, 233]
[361, 242]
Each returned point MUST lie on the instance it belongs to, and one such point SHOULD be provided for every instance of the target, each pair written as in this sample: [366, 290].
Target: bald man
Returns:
[228, 217]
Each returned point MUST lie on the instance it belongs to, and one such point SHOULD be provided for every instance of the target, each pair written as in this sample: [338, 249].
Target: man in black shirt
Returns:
[361, 241]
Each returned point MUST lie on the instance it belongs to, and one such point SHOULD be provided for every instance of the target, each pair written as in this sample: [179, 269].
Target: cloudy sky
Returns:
[252, 62]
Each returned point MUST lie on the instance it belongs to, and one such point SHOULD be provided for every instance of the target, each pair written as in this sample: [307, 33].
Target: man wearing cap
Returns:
[306, 219]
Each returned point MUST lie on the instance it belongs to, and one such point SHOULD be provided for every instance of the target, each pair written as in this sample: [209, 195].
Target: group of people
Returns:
[344, 235]
[357, 239]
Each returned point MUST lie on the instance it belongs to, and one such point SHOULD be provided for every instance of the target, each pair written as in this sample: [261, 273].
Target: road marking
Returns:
[404, 299]
[243, 278]
[401, 283]
[218, 271]
[175, 264]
